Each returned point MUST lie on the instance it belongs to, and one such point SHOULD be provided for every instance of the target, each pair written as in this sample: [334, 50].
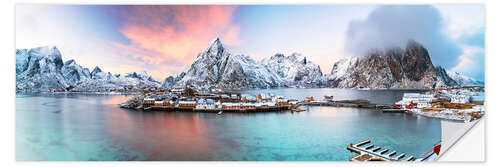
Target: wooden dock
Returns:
[370, 153]
[394, 110]
[348, 103]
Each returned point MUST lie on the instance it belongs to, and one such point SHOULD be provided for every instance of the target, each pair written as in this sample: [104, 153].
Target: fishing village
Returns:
[461, 104]
[456, 104]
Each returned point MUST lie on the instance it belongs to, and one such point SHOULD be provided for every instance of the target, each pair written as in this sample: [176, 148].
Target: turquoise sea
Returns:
[78, 127]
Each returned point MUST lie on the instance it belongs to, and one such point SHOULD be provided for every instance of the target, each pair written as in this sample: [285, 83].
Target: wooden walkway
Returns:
[368, 152]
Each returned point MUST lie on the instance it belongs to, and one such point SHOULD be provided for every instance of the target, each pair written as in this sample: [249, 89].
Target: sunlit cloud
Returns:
[471, 62]
[168, 37]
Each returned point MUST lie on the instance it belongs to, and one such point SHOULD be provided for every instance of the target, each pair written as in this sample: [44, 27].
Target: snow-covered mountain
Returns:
[392, 68]
[295, 70]
[217, 67]
[42, 69]
[74, 73]
[463, 80]
[171, 80]
[39, 69]
[105, 81]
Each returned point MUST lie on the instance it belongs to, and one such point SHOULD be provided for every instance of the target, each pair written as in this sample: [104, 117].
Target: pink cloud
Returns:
[466, 60]
[166, 36]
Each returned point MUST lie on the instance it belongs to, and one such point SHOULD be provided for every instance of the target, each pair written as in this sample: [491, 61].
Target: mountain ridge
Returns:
[42, 69]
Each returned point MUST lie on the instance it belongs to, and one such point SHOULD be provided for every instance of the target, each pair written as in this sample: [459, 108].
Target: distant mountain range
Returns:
[42, 69]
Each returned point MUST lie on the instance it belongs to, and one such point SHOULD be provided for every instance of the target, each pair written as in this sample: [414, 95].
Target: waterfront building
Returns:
[460, 99]
[281, 102]
[259, 97]
[294, 103]
[206, 104]
[158, 103]
[177, 91]
[248, 106]
[234, 97]
[183, 103]
[231, 105]
[415, 100]
[423, 104]
[309, 99]
[147, 102]
[169, 103]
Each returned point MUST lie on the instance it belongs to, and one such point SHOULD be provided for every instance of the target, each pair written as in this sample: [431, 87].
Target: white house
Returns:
[460, 99]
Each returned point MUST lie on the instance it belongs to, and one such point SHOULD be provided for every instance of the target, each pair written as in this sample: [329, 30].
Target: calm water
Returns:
[93, 127]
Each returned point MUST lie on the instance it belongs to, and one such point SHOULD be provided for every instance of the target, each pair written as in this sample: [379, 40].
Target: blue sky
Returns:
[164, 40]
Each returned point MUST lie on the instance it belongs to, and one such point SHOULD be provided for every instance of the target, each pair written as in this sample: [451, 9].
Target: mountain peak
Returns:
[215, 46]
[96, 70]
[216, 40]
[72, 61]
[413, 44]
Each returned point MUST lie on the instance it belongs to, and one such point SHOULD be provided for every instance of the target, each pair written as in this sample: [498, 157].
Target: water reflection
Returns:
[162, 134]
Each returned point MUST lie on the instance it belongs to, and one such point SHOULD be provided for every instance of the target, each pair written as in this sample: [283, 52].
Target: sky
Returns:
[165, 39]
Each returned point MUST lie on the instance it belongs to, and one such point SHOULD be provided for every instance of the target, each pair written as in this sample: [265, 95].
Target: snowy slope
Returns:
[463, 80]
[295, 70]
[217, 67]
[105, 81]
[42, 69]
[39, 69]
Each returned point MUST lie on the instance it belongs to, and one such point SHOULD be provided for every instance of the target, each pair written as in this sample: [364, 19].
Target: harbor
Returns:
[452, 104]
[216, 100]
[459, 104]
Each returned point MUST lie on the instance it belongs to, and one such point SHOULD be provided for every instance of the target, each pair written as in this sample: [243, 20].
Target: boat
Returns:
[219, 113]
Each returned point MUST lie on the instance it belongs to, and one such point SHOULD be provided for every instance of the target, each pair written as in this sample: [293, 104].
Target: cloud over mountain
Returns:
[389, 26]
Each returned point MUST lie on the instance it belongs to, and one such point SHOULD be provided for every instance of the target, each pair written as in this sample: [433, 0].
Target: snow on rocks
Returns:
[42, 70]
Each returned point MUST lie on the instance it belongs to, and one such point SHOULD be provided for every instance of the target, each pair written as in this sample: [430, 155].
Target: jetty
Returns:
[369, 152]
[347, 103]
[394, 110]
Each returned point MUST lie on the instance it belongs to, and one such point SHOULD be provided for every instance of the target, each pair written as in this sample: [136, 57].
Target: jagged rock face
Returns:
[216, 67]
[141, 76]
[105, 81]
[206, 69]
[240, 71]
[449, 81]
[39, 69]
[171, 80]
[74, 73]
[295, 70]
[416, 61]
[97, 73]
[394, 59]
[42, 69]
[392, 68]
